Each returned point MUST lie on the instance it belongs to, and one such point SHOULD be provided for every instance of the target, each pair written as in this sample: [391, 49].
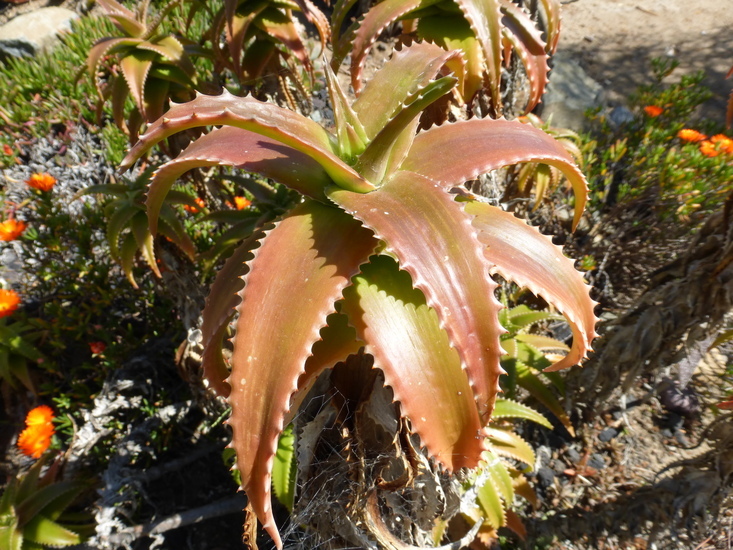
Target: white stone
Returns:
[33, 32]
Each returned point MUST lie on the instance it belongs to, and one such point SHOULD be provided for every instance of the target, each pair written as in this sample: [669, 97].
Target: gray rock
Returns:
[33, 32]
[570, 93]
[607, 435]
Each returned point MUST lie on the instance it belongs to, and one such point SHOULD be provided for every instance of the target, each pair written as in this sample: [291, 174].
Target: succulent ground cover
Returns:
[385, 263]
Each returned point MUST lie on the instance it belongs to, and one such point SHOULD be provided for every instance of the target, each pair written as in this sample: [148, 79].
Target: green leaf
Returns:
[284, 470]
[47, 532]
[506, 408]
[508, 443]
[528, 379]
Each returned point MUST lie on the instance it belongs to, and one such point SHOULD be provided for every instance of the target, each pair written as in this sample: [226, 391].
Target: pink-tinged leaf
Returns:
[338, 341]
[513, 522]
[266, 119]
[135, 68]
[478, 146]
[341, 9]
[405, 338]
[218, 311]
[317, 18]
[527, 41]
[237, 28]
[102, 48]
[124, 19]
[408, 70]
[244, 150]
[296, 275]
[374, 22]
[172, 228]
[484, 16]
[433, 240]
[277, 24]
[523, 255]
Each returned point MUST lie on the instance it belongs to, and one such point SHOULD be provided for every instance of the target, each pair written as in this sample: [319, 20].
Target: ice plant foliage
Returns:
[35, 439]
[9, 302]
[11, 229]
[42, 182]
[381, 254]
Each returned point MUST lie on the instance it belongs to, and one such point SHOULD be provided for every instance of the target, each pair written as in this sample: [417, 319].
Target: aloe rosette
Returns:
[378, 255]
[485, 31]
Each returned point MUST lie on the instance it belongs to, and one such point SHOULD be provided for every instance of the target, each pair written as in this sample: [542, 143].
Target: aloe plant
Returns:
[150, 66]
[486, 32]
[381, 254]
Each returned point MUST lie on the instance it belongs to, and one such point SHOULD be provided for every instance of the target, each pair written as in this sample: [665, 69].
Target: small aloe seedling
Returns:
[32, 512]
[380, 254]
[127, 222]
[150, 66]
[486, 32]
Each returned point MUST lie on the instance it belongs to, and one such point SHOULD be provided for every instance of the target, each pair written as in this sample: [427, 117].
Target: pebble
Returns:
[607, 435]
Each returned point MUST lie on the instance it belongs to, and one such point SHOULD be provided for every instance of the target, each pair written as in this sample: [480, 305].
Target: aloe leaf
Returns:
[352, 137]
[47, 532]
[406, 213]
[543, 343]
[509, 444]
[506, 408]
[127, 257]
[11, 537]
[408, 70]
[172, 228]
[17, 344]
[478, 146]
[380, 154]
[499, 476]
[523, 255]
[284, 470]
[528, 379]
[405, 338]
[514, 522]
[338, 16]
[135, 67]
[484, 16]
[219, 308]
[551, 10]
[522, 487]
[19, 369]
[281, 27]
[489, 499]
[452, 32]
[50, 500]
[168, 47]
[237, 28]
[101, 49]
[277, 123]
[317, 18]
[144, 239]
[528, 43]
[522, 317]
[244, 150]
[338, 341]
[325, 248]
[122, 17]
[374, 22]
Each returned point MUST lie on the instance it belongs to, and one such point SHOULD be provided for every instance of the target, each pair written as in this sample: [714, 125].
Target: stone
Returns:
[570, 93]
[33, 32]
[607, 435]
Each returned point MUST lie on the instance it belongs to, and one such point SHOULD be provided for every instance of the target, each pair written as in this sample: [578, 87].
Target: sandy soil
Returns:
[614, 40]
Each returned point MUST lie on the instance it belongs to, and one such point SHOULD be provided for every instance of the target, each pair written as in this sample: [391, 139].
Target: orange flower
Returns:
[727, 405]
[241, 202]
[7, 149]
[723, 142]
[42, 182]
[708, 149]
[42, 414]
[9, 302]
[193, 209]
[97, 347]
[653, 110]
[11, 229]
[693, 136]
[36, 438]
